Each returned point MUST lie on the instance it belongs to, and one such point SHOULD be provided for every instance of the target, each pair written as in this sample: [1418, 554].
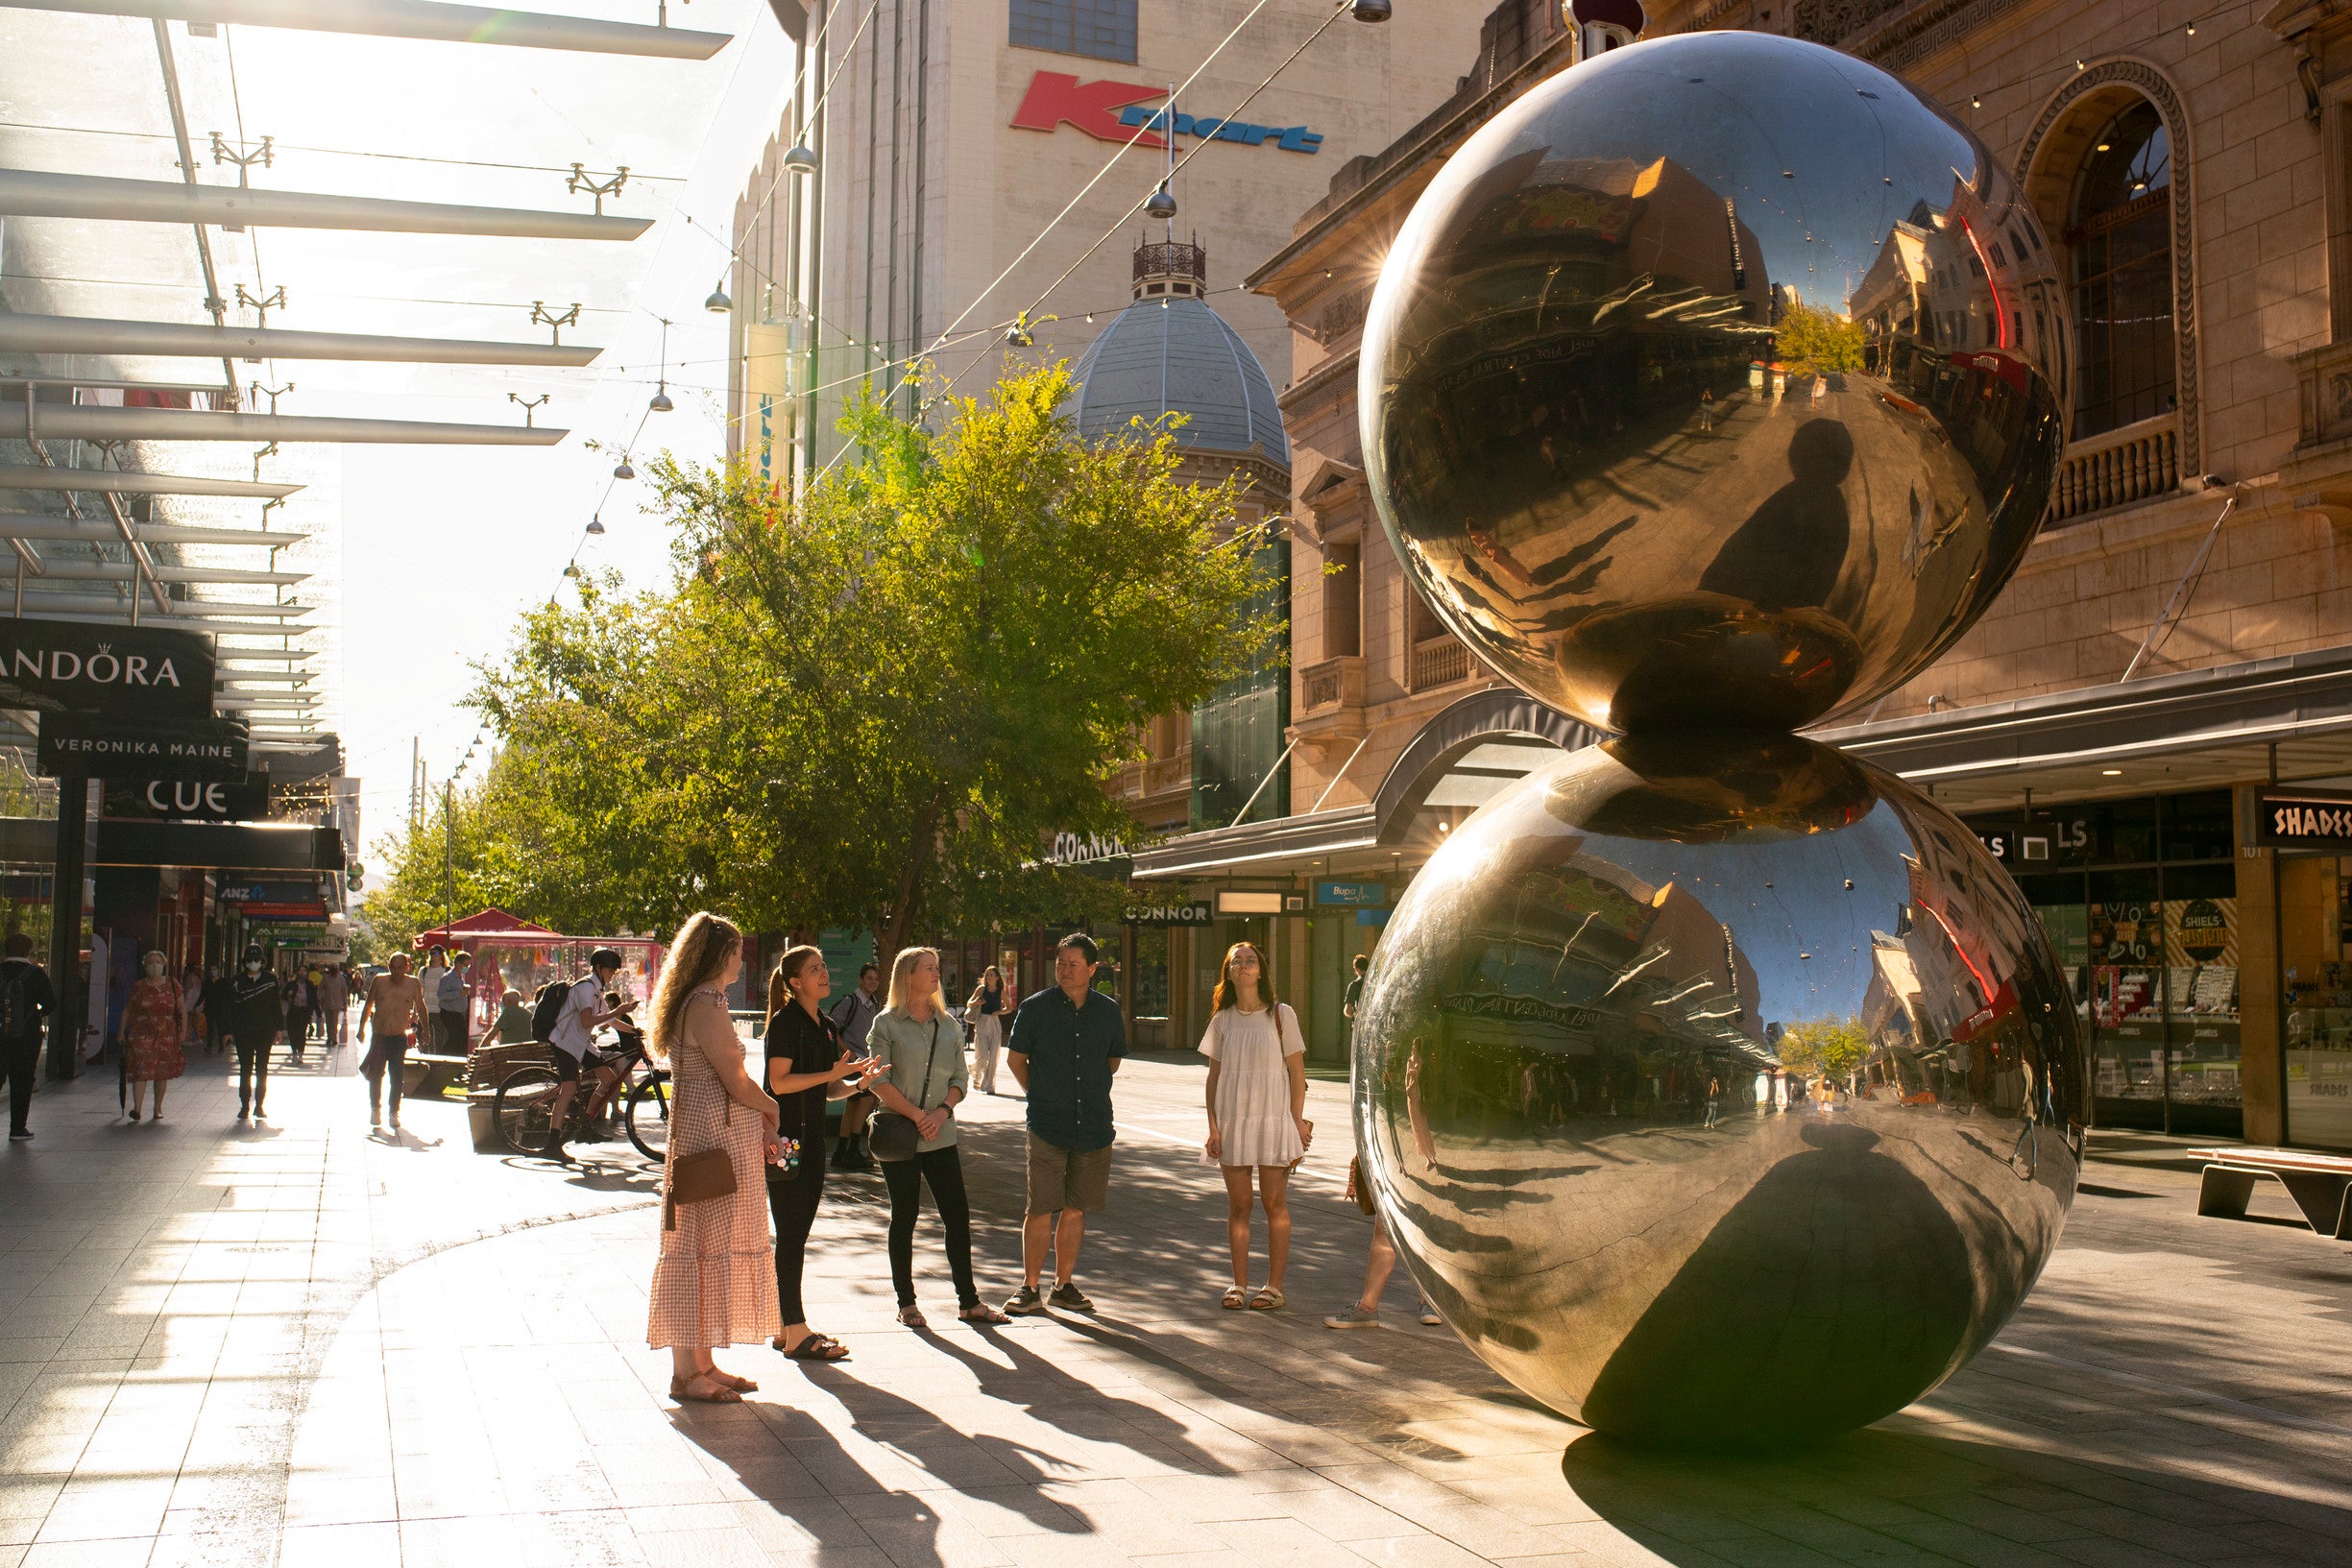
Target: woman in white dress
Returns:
[1257, 1101]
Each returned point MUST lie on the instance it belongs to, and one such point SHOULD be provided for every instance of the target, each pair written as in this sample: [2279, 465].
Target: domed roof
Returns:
[1175, 356]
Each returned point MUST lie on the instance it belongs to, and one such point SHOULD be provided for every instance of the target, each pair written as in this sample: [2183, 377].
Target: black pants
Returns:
[20, 1059]
[252, 1074]
[943, 1169]
[298, 1028]
[791, 1201]
[386, 1052]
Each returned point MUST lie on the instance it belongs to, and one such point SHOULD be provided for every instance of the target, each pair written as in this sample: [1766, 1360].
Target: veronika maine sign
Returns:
[66, 667]
[100, 748]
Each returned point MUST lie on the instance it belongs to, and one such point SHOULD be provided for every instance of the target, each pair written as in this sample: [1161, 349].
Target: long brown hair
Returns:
[697, 956]
[788, 969]
[1226, 996]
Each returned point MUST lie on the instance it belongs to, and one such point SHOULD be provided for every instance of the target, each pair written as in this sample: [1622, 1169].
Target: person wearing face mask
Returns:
[253, 1021]
[155, 1020]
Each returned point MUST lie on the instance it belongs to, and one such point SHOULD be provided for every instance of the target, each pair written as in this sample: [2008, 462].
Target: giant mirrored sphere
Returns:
[1719, 1090]
[1719, 379]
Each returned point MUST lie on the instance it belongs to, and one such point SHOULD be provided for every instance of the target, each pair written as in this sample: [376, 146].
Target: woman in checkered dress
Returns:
[715, 1283]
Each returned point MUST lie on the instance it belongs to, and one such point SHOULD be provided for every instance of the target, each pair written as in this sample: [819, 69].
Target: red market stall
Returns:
[510, 953]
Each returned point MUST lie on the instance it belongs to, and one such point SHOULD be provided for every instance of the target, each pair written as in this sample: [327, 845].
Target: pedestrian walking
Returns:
[1707, 408]
[457, 1005]
[27, 1003]
[985, 1011]
[807, 1066]
[436, 966]
[1067, 1041]
[1378, 1263]
[336, 995]
[715, 1283]
[1258, 1129]
[1353, 998]
[192, 1005]
[153, 1023]
[216, 1008]
[395, 1001]
[302, 1001]
[854, 1016]
[252, 1021]
[919, 1050]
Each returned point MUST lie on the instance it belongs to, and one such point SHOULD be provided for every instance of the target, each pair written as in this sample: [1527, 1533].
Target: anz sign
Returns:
[1121, 112]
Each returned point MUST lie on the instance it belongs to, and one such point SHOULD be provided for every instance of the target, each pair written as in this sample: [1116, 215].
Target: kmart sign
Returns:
[1121, 112]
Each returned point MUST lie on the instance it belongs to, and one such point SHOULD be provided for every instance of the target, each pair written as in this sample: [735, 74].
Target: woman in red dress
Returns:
[155, 1020]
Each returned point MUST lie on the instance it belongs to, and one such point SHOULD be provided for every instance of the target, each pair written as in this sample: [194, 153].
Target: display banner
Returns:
[182, 749]
[61, 666]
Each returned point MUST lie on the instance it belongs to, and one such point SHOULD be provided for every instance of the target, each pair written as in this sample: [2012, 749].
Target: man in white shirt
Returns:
[574, 1033]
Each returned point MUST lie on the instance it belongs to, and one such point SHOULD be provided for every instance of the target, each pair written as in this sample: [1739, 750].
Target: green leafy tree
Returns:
[1836, 1048]
[873, 708]
[1810, 341]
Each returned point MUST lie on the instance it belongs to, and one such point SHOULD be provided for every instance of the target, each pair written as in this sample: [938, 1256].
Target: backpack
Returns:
[548, 1007]
[15, 1016]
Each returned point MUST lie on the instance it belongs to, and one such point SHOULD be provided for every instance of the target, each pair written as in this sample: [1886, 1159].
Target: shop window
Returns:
[1099, 29]
[2201, 992]
[2198, 827]
[2314, 922]
[2120, 231]
[2124, 938]
[2123, 832]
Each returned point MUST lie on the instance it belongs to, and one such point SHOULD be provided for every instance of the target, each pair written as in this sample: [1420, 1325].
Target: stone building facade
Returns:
[2152, 727]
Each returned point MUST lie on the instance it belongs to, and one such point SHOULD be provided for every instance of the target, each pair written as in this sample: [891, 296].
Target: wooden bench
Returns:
[2317, 1182]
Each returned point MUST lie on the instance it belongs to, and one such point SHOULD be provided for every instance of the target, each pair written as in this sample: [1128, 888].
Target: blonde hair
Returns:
[902, 972]
[697, 956]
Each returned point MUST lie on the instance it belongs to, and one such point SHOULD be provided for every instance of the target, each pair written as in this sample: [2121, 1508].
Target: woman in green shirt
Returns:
[920, 1048]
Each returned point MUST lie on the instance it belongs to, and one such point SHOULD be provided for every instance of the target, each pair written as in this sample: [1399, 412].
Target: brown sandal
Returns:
[912, 1317]
[720, 1393]
[979, 1312]
[816, 1347]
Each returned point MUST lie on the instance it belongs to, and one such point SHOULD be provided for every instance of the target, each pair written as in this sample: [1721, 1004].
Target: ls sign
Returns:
[1103, 111]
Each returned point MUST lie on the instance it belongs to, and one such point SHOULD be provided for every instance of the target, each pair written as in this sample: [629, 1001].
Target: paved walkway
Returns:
[279, 1347]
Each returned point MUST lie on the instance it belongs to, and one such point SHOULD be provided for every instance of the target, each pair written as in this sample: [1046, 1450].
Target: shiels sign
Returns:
[65, 666]
[1115, 110]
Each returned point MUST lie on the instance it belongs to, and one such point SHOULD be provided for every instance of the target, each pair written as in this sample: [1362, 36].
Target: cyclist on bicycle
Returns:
[573, 1038]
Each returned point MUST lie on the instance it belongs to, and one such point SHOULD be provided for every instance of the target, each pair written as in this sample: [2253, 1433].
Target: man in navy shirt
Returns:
[1066, 1043]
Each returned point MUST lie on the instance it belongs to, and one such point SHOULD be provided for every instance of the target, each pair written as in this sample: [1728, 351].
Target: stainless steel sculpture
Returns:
[1719, 1089]
[1585, 455]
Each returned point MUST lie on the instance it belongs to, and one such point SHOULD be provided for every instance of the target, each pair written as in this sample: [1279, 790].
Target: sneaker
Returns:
[1354, 1315]
[1429, 1314]
[1070, 1298]
[1026, 1302]
[20, 1134]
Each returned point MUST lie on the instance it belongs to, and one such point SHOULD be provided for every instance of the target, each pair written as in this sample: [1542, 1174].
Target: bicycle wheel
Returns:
[525, 1108]
[647, 1116]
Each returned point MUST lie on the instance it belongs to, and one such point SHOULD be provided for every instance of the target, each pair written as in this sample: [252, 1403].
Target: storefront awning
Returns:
[2197, 729]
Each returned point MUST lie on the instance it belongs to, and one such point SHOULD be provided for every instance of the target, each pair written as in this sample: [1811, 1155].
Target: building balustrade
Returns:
[2139, 462]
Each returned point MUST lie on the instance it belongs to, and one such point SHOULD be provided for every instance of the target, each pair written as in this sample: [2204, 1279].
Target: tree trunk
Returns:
[922, 844]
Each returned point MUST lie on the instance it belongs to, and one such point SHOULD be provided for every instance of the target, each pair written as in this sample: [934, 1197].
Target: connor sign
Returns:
[55, 666]
[1100, 109]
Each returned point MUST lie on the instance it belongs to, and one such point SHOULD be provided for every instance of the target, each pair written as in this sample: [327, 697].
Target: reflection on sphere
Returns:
[1570, 1089]
[1573, 424]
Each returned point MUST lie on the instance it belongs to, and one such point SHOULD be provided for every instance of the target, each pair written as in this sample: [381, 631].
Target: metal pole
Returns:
[448, 850]
[65, 929]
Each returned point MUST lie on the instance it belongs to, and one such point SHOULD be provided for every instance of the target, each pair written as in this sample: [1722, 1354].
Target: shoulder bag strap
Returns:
[930, 1063]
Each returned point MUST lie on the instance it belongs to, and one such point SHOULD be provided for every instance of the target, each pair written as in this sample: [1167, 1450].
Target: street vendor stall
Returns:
[509, 952]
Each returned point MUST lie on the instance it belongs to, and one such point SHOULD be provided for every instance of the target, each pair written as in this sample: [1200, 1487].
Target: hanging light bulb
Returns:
[800, 159]
[1372, 11]
[622, 470]
[718, 305]
[571, 568]
[1162, 205]
[1018, 335]
[595, 525]
[660, 403]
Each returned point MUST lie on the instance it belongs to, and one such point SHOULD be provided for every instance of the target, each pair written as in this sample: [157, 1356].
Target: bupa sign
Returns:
[1115, 112]
[63, 666]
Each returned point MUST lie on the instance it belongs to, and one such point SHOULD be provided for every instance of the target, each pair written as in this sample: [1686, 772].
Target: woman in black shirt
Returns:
[805, 1067]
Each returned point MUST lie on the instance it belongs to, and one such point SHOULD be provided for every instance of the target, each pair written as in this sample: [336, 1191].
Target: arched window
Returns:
[2120, 235]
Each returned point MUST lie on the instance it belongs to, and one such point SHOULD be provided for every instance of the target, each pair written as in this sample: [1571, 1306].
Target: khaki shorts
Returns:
[1067, 1178]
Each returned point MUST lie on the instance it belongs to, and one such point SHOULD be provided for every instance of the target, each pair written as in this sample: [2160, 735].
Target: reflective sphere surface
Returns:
[1719, 1090]
[1718, 380]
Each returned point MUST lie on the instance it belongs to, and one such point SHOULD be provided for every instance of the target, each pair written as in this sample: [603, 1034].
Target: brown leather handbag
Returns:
[698, 1178]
